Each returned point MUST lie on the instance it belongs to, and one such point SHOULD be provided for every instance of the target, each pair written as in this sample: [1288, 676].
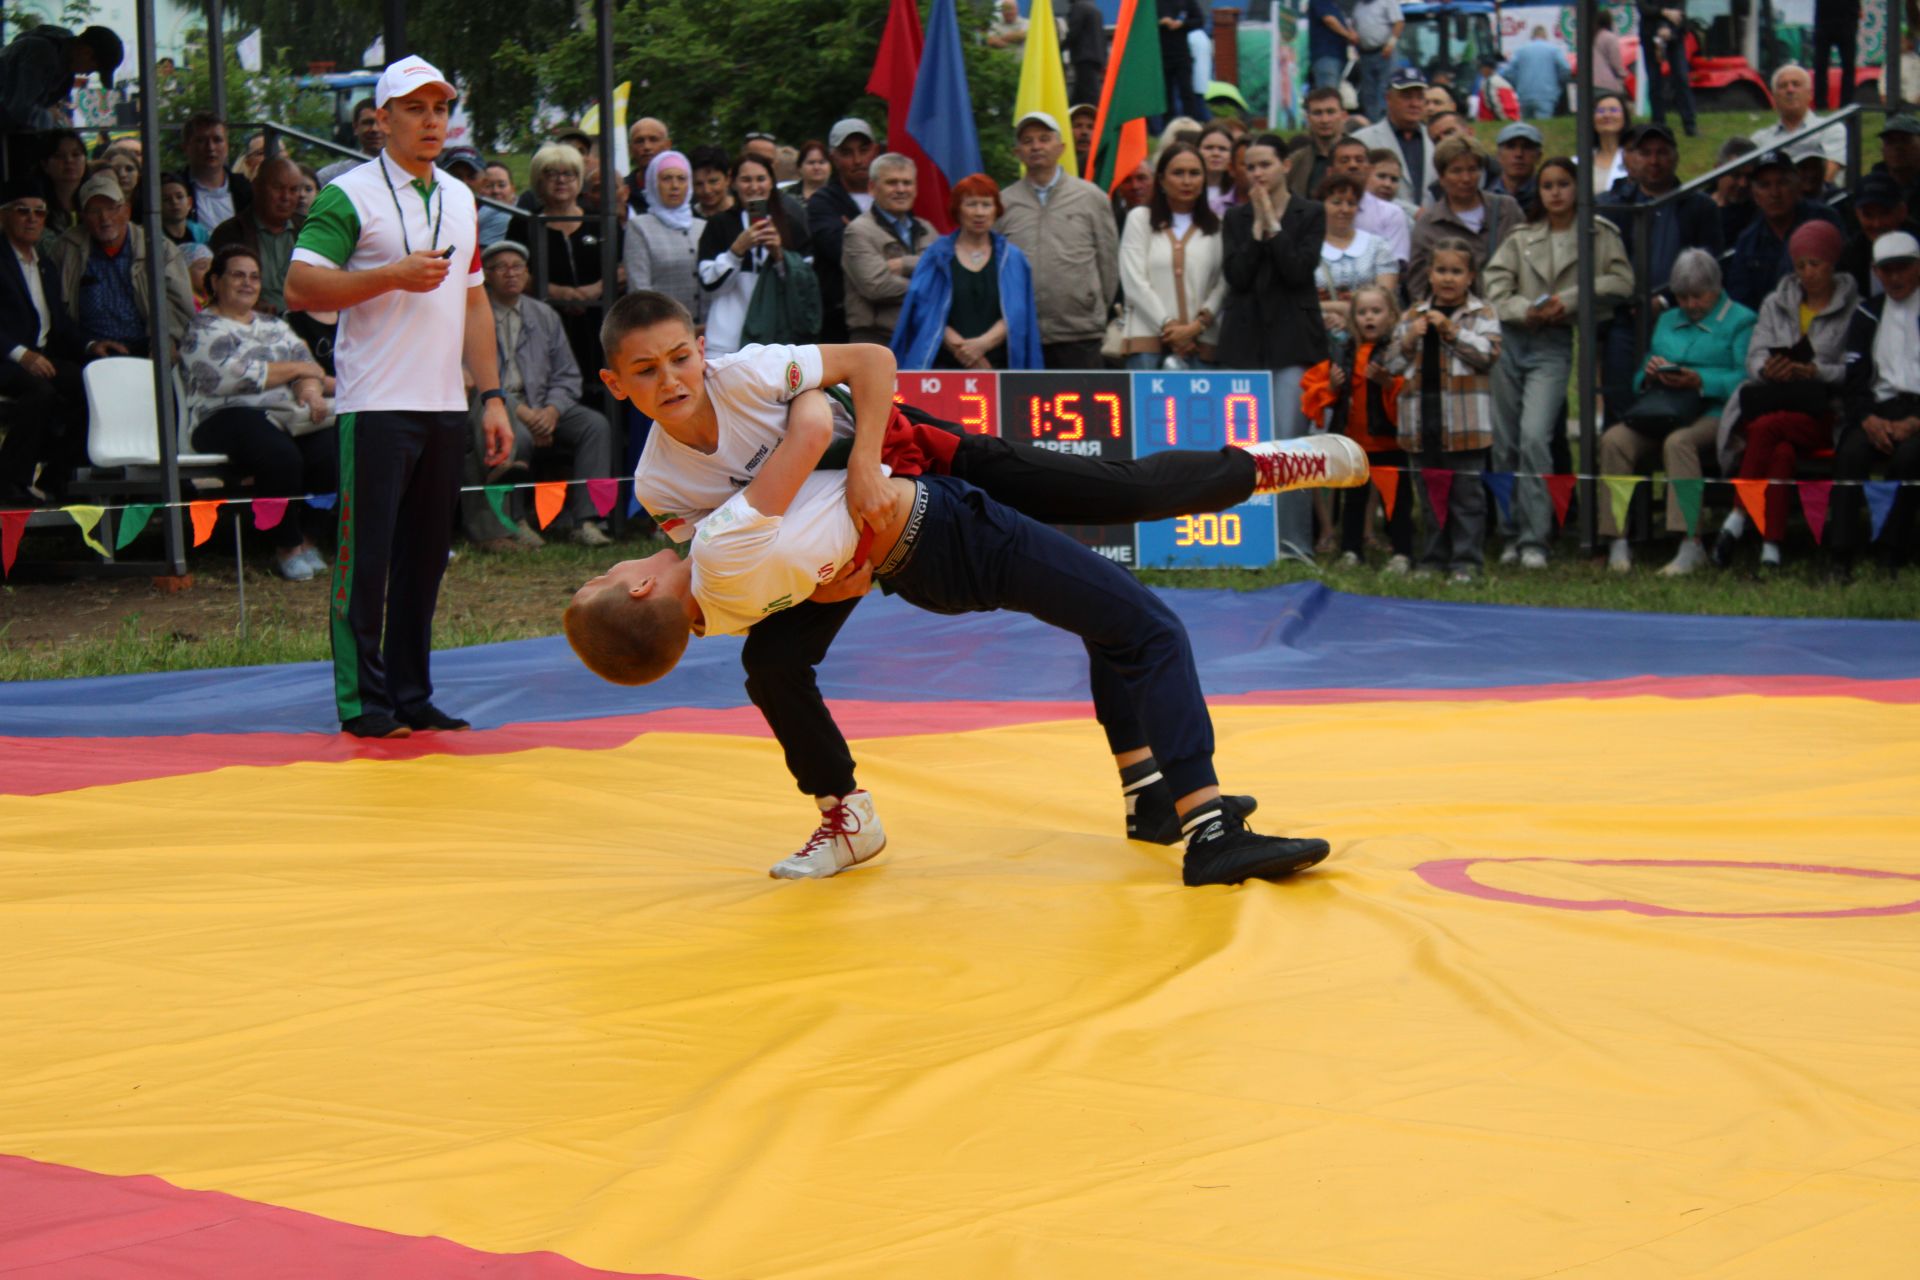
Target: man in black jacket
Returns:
[1881, 207]
[40, 354]
[1087, 49]
[1882, 427]
[830, 209]
[1177, 18]
[37, 71]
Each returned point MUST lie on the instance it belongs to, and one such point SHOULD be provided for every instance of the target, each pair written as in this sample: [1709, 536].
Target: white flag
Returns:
[249, 50]
[375, 54]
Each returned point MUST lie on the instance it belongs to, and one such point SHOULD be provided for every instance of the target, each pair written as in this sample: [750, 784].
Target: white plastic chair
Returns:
[123, 430]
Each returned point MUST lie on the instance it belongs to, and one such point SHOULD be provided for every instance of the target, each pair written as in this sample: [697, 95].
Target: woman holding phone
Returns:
[738, 245]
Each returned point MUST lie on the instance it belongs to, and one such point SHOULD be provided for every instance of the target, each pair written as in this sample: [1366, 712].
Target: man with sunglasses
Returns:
[43, 348]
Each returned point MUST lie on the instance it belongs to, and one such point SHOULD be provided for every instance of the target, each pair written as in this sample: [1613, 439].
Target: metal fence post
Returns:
[1588, 330]
[157, 290]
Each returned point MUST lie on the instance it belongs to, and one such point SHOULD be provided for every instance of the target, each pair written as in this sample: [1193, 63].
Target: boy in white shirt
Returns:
[720, 424]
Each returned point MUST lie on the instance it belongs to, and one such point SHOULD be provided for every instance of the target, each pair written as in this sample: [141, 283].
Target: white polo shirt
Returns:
[399, 351]
[747, 565]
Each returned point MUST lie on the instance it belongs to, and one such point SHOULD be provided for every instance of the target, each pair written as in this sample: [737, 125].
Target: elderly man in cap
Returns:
[395, 248]
[1793, 102]
[1064, 225]
[1404, 130]
[1881, 208]
[38, 68]
[1758, 259]
[43, 350]
[1882, 421]
[541, 382]
[850, 144]
[1900, 155]
[103, 274]
[268, 228]
[1518, 152]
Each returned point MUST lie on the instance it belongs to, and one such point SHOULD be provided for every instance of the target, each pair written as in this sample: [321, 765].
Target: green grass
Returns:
[1696, 154]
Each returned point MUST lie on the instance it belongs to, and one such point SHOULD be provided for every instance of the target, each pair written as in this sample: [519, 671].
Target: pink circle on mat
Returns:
[1455, 876]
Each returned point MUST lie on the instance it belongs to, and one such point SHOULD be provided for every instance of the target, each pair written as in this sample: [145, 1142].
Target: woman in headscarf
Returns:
[663, 244]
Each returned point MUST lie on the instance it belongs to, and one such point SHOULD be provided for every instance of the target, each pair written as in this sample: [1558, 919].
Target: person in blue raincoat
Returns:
[970, 303]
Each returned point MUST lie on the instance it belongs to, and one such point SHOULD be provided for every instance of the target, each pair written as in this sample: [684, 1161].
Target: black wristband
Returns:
[495, 394]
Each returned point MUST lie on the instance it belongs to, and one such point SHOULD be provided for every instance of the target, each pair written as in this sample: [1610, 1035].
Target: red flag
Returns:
[1387, 481]
[1753, 496]
[12, 525]
[1813, 500]
[894, 71]
[1560, 489]
[1439, 493]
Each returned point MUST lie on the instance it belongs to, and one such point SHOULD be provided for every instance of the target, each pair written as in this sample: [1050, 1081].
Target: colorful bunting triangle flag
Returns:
[268, 512]
[12, 525]
[1560, 489]
[132, 522]
[322, 501]
[1814, 495]
[1500, 483]
[1880, 496]
[497, 499]
[87, 518]
[1686, 491]
[1387, 481]
[1620, 492]
[1753, 496]
[1439, 493]
[204, 512]
[548, 497]
[603, 493]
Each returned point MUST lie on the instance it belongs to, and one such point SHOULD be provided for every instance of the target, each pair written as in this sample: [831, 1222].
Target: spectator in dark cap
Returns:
[1881, 426]
[1404, 130]
[1519, 148]
[38, 68]
[1733, 193]
[43, 350]
[1758, 259]
[845, 197]
[1081, 120]
[1880, 206]
[1900, 155]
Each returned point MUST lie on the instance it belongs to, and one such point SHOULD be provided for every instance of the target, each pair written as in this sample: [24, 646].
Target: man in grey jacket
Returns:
[880, 250]
[541, 382]
[1065, 227]
[1405, 130]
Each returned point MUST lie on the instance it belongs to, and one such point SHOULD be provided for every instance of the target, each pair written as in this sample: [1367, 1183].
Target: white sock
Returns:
[1736, 525]
[1769, 553]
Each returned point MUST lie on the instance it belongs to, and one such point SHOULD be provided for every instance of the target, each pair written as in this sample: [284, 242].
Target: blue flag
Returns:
[1501, 483]
[1880, 496]
[941, 117]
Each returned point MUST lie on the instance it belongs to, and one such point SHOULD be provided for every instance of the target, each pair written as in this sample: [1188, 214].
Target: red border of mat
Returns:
[62, 1223]
[43, 766]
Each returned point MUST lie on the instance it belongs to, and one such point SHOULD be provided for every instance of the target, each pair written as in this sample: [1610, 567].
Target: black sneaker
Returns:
[432, 717]
[1724, 544]
[1151, 816]
[1223, 851]
[375, 724]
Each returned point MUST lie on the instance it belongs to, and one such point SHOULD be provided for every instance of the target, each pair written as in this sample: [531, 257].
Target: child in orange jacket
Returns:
[1349, 395]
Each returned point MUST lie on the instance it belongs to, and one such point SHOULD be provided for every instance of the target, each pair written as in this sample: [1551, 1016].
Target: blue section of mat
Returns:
[1294, 637]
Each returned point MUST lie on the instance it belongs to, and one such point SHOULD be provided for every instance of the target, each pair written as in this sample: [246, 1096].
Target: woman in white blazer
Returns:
[1172, 267]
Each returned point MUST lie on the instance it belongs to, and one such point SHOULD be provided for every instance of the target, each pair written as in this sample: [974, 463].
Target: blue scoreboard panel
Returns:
[1205, 410]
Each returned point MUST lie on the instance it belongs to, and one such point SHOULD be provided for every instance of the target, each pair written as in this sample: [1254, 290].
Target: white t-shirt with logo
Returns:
[747, 565]
[750, 389]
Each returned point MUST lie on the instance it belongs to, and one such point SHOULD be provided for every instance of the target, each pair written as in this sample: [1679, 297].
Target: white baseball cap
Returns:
[1035, 117]
[409, 75]
[1894, 246]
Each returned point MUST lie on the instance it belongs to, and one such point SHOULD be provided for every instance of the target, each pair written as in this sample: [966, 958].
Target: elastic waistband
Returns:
[903, 549]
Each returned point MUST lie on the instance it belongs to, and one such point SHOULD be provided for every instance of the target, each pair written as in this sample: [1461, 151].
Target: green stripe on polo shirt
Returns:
[346, 653]
[332, 228]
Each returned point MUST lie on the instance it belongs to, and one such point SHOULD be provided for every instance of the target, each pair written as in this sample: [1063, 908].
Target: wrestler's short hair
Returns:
[624, 640]
[641, 309]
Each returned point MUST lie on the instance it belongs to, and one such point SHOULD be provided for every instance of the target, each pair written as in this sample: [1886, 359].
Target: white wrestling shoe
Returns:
[849, 833]
[1308, 462]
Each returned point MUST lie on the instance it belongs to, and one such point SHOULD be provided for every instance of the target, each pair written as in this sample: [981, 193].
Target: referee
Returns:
[393, 245]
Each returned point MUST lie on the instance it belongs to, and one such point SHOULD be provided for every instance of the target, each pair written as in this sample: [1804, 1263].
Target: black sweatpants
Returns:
[1855, 459]
[47, 422]
[399, 487]
[783, 649]
[282, 466]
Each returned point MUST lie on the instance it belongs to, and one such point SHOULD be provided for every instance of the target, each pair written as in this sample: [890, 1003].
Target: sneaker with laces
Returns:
[1398, 567]
[1620, 556]
[1691, 557]
[1533, 558]
[1151, 816]
[848, 835]
[1221, 849]
[315, 560]
[589, 534]
[294, 568]
[1510, 556]
[1308, 462]
[525, 535]
[375, 724]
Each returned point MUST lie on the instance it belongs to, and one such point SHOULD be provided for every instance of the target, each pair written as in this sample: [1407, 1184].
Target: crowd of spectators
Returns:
[1401, 281]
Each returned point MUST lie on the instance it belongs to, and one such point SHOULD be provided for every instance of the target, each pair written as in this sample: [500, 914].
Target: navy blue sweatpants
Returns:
[974, 555]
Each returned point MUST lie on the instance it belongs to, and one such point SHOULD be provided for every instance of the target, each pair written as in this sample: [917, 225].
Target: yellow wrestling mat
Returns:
[549, 1000]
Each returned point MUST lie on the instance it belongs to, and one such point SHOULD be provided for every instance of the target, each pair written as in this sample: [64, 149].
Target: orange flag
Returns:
[548, 497]
[204, 511]
[1387, 481]
[1753, 496]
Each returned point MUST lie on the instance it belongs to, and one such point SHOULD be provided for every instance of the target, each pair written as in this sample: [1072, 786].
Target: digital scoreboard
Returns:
[1205, 410]
[1117, 417]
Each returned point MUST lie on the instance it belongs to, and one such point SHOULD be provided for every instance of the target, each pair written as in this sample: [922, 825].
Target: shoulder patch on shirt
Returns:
[794, 377]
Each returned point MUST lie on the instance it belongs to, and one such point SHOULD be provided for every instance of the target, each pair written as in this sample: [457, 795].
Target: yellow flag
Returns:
[1043, 85]
[87, 517]
[590, 123]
